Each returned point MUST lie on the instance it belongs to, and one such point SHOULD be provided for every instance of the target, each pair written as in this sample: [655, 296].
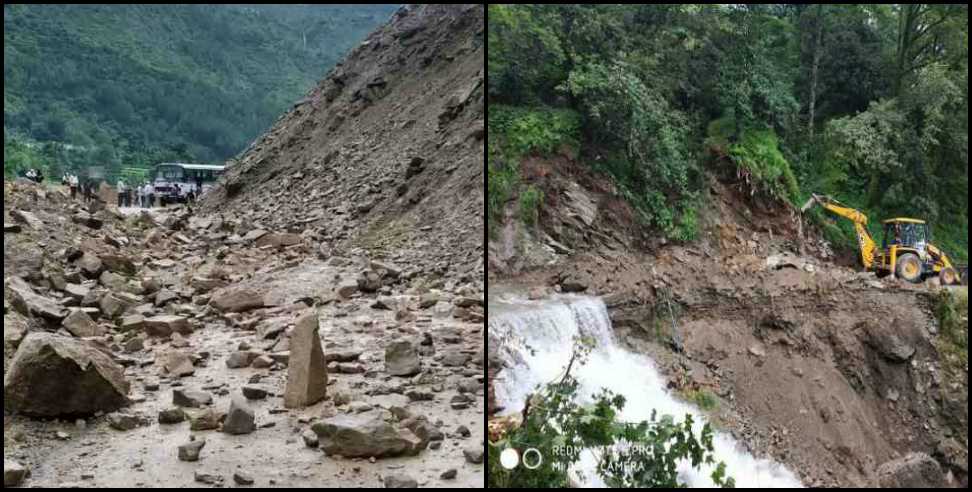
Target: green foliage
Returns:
[526, 60]
[704, 399]
[759, 160]
[530, 200]
[953, 338]
[652, 157]
[560, 428]
[502, 182]
[538, 130]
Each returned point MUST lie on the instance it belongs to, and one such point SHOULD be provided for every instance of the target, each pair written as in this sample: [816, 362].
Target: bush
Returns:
[540, 130]
[650, 152]
[758, 159]
[530, 201]
[555, 420]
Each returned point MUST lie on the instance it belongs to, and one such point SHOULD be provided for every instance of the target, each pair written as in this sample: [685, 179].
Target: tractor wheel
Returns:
[948, 276]
[908, 267]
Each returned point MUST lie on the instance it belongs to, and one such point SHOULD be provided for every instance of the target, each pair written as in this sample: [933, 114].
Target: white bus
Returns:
[174, 180]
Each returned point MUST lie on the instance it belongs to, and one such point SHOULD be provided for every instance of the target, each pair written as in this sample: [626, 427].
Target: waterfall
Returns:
[536, 338]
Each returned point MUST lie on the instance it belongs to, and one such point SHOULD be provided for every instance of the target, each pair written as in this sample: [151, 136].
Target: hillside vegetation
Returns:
[867, 103]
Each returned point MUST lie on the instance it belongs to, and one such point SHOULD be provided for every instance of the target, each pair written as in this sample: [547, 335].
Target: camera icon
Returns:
[510, 459]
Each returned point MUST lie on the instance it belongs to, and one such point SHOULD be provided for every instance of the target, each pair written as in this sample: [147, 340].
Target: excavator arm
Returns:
[858, 218]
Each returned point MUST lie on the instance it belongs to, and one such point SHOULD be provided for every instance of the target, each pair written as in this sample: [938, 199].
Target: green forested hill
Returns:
[868, 103]
[124, 84]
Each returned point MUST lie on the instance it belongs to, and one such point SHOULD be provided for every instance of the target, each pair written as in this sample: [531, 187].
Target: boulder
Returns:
[241, 359]
[190, 451]
[190, 398]
[165, 325]
[402, 359]
[14, 473]
[365, 435]
[55, 376]
[236, 300]
[177, 364]
[79, 324]
[28, 303]
[307, 370]
[914, 471]
[240, 418]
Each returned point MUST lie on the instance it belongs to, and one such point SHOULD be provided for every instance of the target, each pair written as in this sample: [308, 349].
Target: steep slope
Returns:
[385, 154]
[826, 369]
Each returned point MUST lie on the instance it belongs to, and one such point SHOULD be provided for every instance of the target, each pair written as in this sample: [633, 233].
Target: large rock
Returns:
[182, 397]
[54, 376]
[81, 325]
[28, 218]
[235, 300]
[307, 371]
[914, 471]
[28, 303]
[402, 359]
[165, 325]
[241, 359]
[13, 473]
[365, 435]
[278, 240]
[240, 419]
[177, 364]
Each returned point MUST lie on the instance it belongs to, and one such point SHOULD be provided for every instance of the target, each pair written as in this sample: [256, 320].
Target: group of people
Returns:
[142, 196]
[34, 175]
[87, 187]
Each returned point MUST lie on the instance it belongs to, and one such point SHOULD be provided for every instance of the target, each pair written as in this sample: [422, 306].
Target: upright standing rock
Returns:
[307, 374]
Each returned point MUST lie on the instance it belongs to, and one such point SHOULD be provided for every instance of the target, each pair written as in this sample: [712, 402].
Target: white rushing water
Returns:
[549, 328]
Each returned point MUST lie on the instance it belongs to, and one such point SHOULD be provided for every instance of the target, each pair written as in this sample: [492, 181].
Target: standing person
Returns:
[73, 184]
[121, 193]
[150, 194]
[141, 195]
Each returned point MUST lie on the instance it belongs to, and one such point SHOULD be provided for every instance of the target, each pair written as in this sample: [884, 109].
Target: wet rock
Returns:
[399, 482]
[202, 420]
[28, 303]
[14, 473]
[206, 284]
[262, 362]
[240, 419]
[239, 360]
[79, 324]
[474, 454]
[236, 300]
[118, 264]
[78, 293]
[449, 474]
[178, 364]
[132, 323]
[113, 306]
[166, 324]
[914, 471]
[242, 478]
[12, 228]
[53, 375]
[125, 421]
[364, 435]
[307, 370]
[347, 288]
[369, 281]
[467, 302]
[207, 478]
[254, 392]
[190, 451]
[310, 438]
[455, 359]
[172, 416]
[190, 398]
[402, 359]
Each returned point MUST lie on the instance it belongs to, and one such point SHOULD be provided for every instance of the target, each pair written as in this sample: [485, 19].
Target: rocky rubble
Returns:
[252, 330]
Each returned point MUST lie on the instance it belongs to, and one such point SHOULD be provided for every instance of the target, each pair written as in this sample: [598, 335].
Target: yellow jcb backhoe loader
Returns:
[905, 252]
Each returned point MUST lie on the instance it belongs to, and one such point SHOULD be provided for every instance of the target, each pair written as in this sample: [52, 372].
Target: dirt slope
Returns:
[824, 367]
[385, 153]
